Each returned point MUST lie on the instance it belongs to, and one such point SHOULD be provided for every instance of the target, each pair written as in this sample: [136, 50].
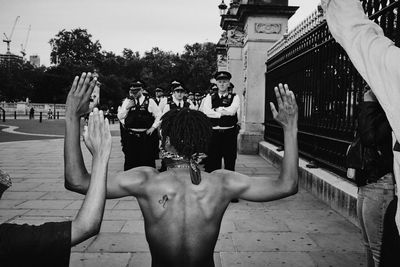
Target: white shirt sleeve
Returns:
[207, 108]
[122, 111]
[153, 109]
[166, 109]
[162, 104]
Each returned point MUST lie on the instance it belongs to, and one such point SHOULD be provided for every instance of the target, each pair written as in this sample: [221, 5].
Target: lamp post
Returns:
[222, 8]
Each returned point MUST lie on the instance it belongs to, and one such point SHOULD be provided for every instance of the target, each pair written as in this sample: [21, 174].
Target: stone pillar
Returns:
[264, 22]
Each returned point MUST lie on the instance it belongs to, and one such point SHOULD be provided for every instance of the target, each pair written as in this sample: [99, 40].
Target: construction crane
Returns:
[23, 47]
[8, 38]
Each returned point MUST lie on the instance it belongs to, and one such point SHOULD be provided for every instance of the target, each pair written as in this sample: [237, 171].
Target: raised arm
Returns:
[77, 105]
[262, 189]
[77, 178]
[374, 56]
[98, 140]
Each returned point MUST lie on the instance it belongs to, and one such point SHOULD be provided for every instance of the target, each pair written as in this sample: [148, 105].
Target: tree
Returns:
[197, 65]
[74, 47]
[157, 68]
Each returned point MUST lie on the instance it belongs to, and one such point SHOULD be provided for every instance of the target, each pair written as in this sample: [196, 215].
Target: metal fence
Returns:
[326, 85]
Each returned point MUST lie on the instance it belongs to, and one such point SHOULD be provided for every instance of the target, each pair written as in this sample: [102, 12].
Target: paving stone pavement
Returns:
[296, 231]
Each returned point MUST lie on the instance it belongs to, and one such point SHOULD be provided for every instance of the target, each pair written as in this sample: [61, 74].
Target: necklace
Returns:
[178, 166]
[173, 160]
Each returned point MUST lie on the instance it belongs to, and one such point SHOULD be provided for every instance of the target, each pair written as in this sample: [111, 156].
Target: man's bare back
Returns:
[182, 219]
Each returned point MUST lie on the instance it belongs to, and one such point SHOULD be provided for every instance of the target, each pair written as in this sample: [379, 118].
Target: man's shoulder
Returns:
[137, 175]
[230, 179]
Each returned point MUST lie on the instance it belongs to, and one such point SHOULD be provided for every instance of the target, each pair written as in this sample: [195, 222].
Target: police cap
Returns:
[222, 75]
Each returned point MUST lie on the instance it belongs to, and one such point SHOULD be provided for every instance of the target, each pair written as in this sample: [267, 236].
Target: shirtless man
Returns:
[183, 207]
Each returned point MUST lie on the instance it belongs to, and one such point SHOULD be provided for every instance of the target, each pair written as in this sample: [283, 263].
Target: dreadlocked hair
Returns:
[189, 131]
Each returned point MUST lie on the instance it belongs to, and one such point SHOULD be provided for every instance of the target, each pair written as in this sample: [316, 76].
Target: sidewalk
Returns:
[296, 231]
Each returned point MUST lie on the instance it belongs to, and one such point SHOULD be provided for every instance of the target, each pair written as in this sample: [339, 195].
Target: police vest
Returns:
[139, 116]
[226, 101]
[173, 105]
[157, 101]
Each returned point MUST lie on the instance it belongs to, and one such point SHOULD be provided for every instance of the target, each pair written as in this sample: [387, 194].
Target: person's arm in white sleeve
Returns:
[166, 109]
[374, 56]
[123, 111]
[153, 109]
[162, 104]
[233, 108]
[207, 108]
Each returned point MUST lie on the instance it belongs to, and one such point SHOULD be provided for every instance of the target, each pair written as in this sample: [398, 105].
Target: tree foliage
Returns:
[74, 47]
[74, 52]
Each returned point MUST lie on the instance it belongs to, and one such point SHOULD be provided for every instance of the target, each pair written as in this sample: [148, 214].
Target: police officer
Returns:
[160, 100]
[192, 101]
[222, 107]
[177, 100]
[140, 116]
[198, 99]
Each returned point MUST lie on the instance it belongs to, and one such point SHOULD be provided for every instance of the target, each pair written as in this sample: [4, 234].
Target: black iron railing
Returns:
[327, 88]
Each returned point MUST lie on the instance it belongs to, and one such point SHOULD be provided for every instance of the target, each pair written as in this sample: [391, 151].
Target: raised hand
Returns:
[97, 135]
[287, 113]
[79, 95]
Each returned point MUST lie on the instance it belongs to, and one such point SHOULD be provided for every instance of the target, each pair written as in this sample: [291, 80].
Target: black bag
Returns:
[359, 160]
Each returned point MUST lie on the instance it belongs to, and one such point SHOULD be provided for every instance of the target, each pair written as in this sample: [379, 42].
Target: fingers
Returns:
[97, 121]
[284, 96]
[282, 90]
[288, 94]
[85, 82]
[107, 125]
[278, 97]
[73, 87]
[273, 110]
[85, 133]
[293, 98]
[91, 124]
[92, 85]
[107, 128]
[80, 83]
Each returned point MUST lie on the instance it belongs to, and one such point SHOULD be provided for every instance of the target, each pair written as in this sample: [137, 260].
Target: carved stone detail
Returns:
[222, 61]
[272, 28]
[235, 36]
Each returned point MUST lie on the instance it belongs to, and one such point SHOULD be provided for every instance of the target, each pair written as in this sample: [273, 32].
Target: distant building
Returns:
[34, 60]
[10, 61]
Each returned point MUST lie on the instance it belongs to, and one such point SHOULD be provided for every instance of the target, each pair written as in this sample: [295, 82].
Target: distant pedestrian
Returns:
[49, 114]
[32, 113]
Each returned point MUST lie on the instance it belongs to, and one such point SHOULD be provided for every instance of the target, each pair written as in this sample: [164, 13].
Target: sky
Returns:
[119, 24]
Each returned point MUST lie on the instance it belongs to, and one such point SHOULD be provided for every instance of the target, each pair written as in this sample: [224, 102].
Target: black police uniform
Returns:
[173, 105]
[140, 149]
[223, 142]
